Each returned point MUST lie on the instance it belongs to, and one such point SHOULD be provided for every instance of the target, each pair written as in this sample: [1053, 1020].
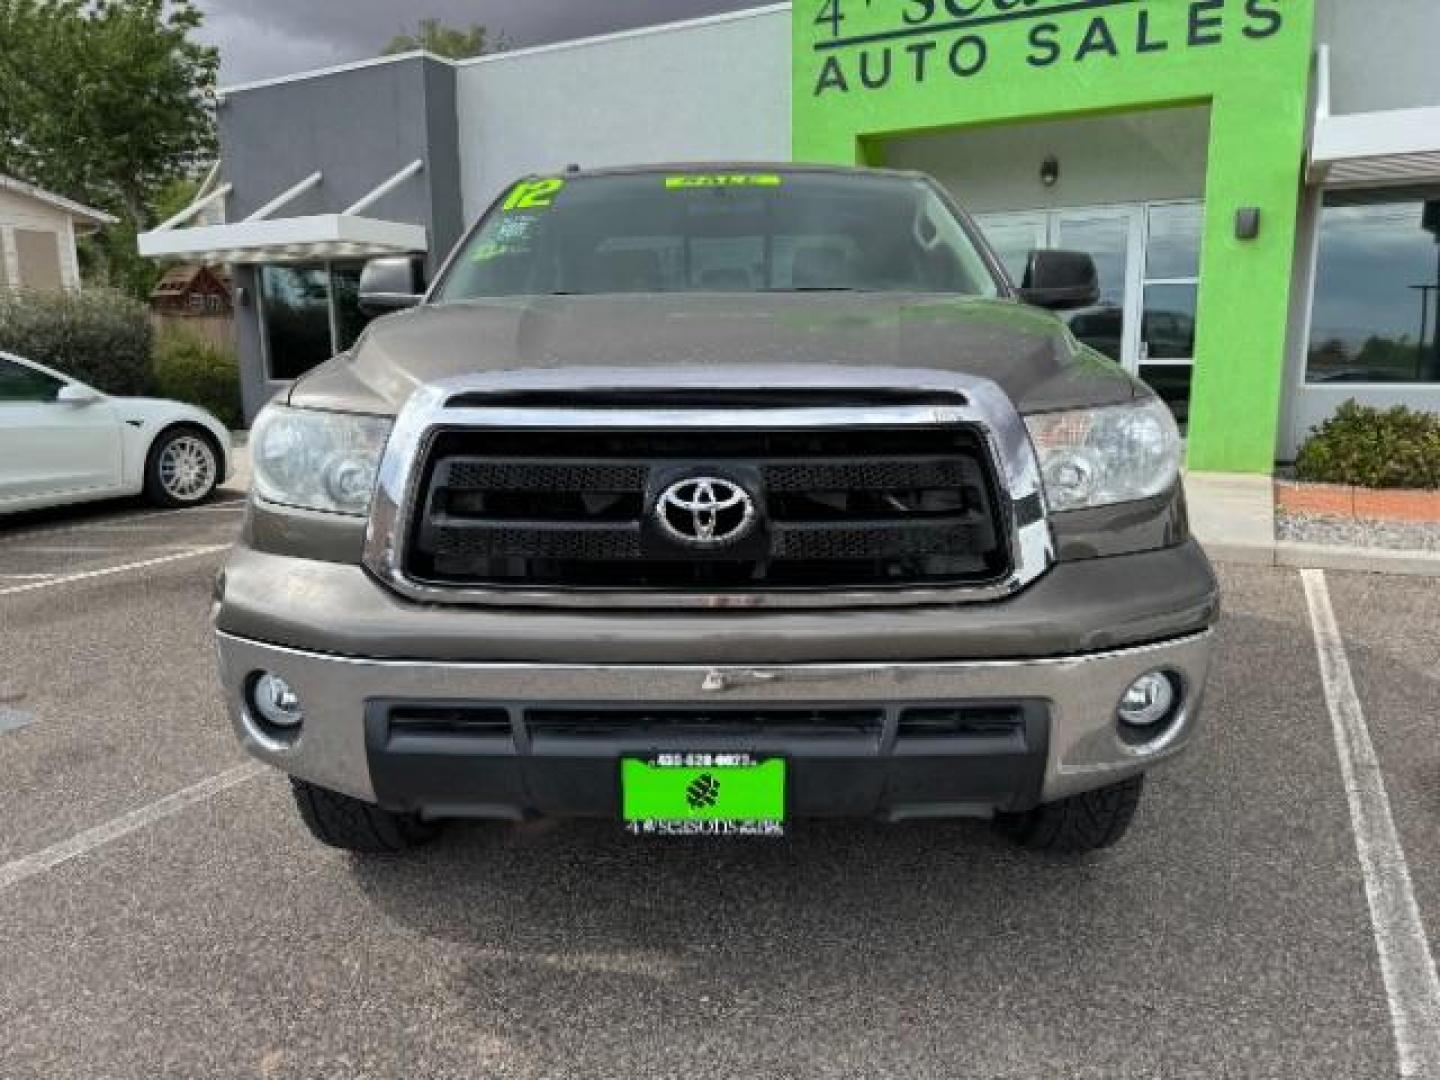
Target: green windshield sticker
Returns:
[533, 194]
[723, 180]
[486, 252]
[511, 236]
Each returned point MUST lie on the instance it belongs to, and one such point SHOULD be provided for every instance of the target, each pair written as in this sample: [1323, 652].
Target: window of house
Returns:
[19, 383]
[39, 252]
[1377, 288]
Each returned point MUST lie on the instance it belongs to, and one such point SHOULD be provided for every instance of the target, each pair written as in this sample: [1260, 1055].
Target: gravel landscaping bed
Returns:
[1357, 532]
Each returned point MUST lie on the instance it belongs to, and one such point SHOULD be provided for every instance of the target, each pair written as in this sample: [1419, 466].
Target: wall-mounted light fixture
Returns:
[1050, 171]
[1247, 223]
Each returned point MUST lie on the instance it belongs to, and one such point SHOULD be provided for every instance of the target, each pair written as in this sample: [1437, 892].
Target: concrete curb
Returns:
[1359, 560]
[239, 482]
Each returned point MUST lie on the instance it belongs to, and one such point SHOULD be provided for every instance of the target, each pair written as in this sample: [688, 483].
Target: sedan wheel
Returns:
[184, 469]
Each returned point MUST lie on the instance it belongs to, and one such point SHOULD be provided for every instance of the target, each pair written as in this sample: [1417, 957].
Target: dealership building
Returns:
[1258, 181]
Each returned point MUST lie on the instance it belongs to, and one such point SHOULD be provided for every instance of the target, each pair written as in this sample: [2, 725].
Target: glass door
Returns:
[1014, 237]
[1110, 236]
[1171, 288]
[1148, 261]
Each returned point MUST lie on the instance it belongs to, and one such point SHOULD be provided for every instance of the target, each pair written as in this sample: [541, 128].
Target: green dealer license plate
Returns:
[703, 795]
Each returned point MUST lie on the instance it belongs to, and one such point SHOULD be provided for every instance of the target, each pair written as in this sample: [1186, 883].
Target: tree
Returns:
[106, 102]
[432, 35]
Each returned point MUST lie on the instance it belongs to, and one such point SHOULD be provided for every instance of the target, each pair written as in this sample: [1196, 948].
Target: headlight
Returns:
[317, 460]
[1096, 457]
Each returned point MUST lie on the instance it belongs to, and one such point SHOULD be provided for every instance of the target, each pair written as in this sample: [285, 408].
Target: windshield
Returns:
[719, 233]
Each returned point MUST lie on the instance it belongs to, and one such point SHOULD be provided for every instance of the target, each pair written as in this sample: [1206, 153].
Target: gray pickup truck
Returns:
[707, 499]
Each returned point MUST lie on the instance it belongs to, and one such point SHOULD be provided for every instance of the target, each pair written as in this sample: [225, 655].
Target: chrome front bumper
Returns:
[1085, 748]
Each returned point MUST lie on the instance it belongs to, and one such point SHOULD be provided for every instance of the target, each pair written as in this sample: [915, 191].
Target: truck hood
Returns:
[736, 340]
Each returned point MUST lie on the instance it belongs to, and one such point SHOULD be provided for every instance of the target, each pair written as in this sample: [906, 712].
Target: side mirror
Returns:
[74, 393]
[390, 284]
[1060, 280]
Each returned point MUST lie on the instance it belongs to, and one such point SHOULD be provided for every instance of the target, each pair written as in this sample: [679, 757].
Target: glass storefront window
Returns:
[296, 317]
[349, 319]
[1172, 382]
[297, 314]
[1168, 325]
[1377, 288]
[1169, 300]
[1173, 250]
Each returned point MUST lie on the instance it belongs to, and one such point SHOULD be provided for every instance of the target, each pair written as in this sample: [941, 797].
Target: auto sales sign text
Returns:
[918, 42]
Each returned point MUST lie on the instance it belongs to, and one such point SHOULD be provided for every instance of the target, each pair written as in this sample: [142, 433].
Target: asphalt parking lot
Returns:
[163, 914]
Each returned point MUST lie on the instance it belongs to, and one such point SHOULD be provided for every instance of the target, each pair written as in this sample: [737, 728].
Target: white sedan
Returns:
[64, 442]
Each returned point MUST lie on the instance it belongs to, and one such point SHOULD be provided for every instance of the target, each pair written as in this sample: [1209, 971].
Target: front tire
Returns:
[183, 468]
[339, 821]
[1089, 822]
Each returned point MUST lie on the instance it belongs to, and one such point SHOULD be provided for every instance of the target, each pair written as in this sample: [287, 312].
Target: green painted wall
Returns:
[868, 70]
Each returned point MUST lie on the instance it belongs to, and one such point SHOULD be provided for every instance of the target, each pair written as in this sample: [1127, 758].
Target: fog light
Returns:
[1149, 701]
[275, 701]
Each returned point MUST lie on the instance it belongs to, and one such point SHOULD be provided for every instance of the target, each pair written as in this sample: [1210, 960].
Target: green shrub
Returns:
[1396, 448]
[99, 336]
[191, 369]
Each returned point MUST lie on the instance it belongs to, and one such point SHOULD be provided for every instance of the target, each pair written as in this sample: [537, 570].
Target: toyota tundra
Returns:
[710, 499]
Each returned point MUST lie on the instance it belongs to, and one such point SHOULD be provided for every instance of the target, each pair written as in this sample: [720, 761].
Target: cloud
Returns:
[263, 38]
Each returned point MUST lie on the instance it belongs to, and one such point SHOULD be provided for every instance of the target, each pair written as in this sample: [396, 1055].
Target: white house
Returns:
[37, 236]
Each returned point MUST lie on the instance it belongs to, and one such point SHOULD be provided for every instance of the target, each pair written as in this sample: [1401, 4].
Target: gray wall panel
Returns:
[357, 126]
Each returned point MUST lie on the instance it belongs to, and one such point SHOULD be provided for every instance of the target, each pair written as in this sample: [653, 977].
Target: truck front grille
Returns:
[575, 509]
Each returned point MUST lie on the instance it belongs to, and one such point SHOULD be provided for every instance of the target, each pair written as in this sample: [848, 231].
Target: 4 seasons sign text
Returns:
[924, 40]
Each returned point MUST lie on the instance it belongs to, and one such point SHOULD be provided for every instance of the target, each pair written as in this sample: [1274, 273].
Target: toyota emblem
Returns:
[705, 512]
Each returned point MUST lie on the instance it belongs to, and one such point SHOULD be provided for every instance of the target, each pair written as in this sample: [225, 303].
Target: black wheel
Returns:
[183, 467]
[1088, 822]
[352, 825]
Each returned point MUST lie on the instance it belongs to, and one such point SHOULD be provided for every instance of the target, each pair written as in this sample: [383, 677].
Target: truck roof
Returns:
[700, 167]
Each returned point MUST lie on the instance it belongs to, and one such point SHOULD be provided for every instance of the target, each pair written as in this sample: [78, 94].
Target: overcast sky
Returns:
[262, 38]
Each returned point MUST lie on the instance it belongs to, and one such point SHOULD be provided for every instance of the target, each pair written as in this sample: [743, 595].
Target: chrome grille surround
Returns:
[976, 402]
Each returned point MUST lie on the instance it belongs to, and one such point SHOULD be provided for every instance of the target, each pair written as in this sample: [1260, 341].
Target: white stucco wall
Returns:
[19, 211]
[707, 90]
[1131, 157]
[1384, 54]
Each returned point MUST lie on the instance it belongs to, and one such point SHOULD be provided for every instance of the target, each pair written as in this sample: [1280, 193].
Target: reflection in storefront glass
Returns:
[1172, 383]
[296, 317]
[297, 314]
[349, 319]
[1174, 245]
[1377, 289]
[1168, 326]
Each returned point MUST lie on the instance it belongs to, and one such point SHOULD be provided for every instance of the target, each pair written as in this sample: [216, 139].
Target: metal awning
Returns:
[1398, 146]
[261, 239]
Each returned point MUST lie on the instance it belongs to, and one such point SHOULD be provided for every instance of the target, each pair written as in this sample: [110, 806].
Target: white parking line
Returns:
[65, 549]
[83, 843]
[227, 506]
[124, 526]
[68, 579]
[1406, 963]
[88, 549]
[14, 719]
